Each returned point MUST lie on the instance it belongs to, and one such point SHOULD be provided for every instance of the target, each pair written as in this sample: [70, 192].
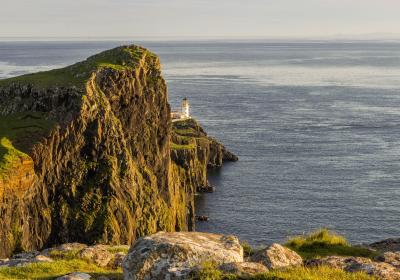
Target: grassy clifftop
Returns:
[122, 58]
[18, 132]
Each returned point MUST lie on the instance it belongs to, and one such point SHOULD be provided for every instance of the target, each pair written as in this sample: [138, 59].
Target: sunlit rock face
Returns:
[85, 155]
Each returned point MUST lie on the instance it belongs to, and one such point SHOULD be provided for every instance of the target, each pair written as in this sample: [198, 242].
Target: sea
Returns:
[315, 124]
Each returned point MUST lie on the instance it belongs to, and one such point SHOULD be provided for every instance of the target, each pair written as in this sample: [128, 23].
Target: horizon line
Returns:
[355, 37]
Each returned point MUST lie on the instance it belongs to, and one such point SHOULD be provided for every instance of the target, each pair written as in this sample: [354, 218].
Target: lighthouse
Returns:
[185, 108]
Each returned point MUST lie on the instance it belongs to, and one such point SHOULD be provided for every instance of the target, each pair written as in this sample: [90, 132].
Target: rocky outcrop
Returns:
[276, 257]
[380, 270]
[97, 137]
[75, 276]
[392, 258]
[193, 152]
[387, 245]
[99, 255]
[175, 255]
[243, 269]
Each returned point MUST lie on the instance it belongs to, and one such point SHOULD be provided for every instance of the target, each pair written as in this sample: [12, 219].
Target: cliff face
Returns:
[86, 155]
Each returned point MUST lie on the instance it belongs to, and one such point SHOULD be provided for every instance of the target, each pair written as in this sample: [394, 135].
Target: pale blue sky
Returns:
[209, 18]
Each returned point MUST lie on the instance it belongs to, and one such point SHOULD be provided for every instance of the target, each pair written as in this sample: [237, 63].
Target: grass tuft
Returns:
[326, 243]
[18, 132]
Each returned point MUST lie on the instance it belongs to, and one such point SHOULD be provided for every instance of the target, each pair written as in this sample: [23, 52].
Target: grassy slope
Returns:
[186, 131]
[325, 243]
[65, 262]
[58, 268]
[122, 58]
[16, 128]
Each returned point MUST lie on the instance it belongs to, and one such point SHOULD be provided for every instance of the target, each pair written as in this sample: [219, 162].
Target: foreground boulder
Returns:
[276, 256]
[392, 258]
[75, 276]
[100, 255]
[380, 270]
[176, 255]
[243, 269]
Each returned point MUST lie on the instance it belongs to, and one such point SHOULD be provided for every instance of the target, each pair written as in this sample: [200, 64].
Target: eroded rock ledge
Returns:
[86, 155]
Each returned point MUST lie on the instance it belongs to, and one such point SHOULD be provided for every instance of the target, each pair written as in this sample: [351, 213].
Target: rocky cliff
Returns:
[88, 153]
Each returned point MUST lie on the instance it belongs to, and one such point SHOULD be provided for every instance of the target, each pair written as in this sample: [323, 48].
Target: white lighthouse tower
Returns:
[185, 108]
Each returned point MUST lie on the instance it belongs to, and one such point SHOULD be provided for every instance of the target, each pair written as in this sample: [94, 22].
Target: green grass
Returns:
[209, 272]
[121, 58]
[58, 268]
[118, 249]
[326, 243]
[185, 135]
[17, 134]
[64, 255]
[175, 146]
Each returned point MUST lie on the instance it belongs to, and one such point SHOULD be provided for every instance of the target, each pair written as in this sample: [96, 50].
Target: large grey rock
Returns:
[75, 276]
[97, 254]
[175, 255]
[118, 259]
[276, 256]
[380, 270]
[243, 269]
[64, 248]
[20, 261]
[392, 258]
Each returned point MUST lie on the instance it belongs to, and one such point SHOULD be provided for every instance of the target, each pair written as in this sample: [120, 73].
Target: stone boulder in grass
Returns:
[380, 270]
[277, 256]
[176, 255]
[243, 269]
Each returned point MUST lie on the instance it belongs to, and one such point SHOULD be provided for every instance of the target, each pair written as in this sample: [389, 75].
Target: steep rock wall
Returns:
[101, 155]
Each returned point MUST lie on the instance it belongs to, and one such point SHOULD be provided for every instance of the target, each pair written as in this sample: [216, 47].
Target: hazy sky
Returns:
[176, 18]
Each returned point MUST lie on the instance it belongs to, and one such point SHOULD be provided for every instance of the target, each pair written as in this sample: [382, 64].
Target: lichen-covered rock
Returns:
[243, 269]
[392, 258]
[176, 255]
[22, 261]
[380, 270]
[75, 276]
[91, 146]
[118, 259]
[97, 254]
[277, 256]
[100, 255]
[64, 249]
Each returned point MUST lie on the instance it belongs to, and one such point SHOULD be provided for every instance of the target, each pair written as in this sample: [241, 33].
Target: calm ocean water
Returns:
[316, 126]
